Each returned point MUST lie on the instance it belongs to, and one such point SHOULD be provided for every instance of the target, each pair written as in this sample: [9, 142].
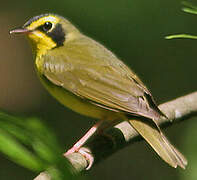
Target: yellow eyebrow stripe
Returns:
[41, 21]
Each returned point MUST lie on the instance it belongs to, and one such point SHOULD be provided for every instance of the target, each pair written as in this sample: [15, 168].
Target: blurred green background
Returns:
[135, 31]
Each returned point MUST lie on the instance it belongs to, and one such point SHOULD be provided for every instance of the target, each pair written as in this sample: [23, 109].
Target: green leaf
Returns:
[31, 144]
[185, 36]
[17, 153]
[190, 8]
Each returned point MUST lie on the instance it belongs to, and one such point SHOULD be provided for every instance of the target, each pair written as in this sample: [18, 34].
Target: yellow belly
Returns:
[76, 103]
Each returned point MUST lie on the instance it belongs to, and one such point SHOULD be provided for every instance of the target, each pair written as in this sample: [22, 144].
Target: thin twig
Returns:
[102, 146]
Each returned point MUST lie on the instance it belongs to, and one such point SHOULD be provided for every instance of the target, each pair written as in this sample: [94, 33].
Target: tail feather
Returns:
[182, 161]
[159, 143]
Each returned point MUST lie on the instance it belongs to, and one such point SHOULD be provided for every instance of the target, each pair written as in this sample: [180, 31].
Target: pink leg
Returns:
[82, 141]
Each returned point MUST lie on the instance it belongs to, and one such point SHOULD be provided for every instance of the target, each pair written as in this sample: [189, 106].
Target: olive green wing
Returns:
[109, 86]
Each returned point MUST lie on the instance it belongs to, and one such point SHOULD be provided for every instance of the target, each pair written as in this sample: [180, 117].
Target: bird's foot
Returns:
[83, 151]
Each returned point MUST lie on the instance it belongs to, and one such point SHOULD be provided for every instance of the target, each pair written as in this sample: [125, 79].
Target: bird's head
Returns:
[48, 31]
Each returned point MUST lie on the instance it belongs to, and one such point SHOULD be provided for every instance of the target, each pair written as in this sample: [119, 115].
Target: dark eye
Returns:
[47, 26]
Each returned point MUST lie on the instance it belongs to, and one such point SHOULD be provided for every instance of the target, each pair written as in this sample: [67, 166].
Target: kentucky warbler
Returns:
[88, 78]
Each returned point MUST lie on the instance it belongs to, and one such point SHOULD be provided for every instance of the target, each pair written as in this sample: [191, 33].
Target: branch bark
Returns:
[121, 135]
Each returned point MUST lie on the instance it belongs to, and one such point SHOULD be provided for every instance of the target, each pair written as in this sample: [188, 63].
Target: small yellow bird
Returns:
[88, 78]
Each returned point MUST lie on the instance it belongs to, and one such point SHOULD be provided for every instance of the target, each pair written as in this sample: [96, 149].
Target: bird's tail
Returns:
[157, 140]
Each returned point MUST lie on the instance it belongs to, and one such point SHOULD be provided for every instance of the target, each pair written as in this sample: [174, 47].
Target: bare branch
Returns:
[102, 146]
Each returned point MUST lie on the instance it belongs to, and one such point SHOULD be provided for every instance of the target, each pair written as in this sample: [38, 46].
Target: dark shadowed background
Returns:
[135, 31]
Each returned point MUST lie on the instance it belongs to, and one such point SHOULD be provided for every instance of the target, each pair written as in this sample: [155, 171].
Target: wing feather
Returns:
[101, 80]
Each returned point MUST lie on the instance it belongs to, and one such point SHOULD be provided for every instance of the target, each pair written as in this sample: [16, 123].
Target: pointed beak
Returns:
[20, 31]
